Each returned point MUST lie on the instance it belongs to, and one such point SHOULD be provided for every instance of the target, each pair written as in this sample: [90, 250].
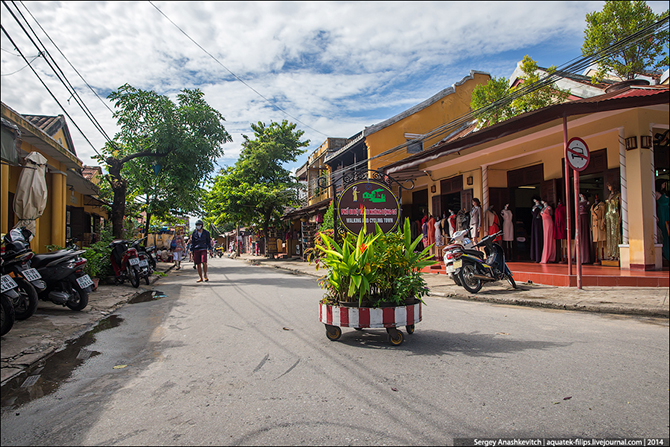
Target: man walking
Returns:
[200, 245]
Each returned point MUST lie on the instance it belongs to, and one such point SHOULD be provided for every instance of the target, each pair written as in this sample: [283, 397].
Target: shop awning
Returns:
[80, 184]
[308, 210]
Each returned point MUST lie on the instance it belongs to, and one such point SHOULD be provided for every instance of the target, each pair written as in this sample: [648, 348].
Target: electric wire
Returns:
[68, 61]
[14, 72]
[573, 66]
[57, 71]
[233, 74]
[48, 89]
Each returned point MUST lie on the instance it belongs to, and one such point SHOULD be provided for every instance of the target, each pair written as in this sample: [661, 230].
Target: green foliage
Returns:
[499, 89]
[617, 20]
[372, 267]
[98, 264]
[255, 191]
[329, 219]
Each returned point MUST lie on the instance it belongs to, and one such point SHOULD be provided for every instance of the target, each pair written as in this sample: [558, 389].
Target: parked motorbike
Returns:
[459, 243]
[219, 251]
[63, 273]
[7, 296]
[475, 270]
[16, 262]
[145, 268]
[126, 262]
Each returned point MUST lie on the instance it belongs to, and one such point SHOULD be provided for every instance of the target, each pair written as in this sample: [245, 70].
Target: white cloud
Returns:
[337, 67]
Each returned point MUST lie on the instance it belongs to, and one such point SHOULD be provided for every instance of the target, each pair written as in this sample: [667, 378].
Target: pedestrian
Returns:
[179, 248]
[200, 245]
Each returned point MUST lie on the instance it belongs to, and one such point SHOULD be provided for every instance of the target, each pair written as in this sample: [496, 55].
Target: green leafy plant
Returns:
[372, 267]
[98, 264]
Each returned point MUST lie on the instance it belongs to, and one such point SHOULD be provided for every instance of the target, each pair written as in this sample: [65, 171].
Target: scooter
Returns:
[145, 269]
[459, 243]
[125, 262]
[7, 296]
[219, 251]
[63, 273]
[16, 257]
[475, 270]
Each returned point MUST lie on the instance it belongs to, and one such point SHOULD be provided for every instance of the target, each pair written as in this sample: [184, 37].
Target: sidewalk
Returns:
[31, 340]
[643, 301]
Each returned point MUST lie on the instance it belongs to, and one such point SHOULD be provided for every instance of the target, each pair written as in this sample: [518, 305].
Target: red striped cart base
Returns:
[336, 317]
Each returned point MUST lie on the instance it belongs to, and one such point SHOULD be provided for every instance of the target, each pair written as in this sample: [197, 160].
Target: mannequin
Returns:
[613, 222]
[549, 250]
[431, 230]
[508, 231]
[475, 220]
[439, 241]
[584, 233]
[452, 223]
[561, 232]
[598, 229]
[463, 220]
[536, 233]
[492, 223]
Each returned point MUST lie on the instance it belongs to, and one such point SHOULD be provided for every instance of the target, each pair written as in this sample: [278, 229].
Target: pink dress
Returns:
[549, 250]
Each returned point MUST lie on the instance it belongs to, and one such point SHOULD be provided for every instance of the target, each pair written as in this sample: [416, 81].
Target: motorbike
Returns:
[7, 297]
[62, 272]
[16, 263]
[475, 269]
[459, 243]
[126, 263]
[219, 251]
[145, 267]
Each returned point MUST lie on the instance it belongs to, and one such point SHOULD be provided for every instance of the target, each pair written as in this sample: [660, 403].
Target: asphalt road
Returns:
[244, 360]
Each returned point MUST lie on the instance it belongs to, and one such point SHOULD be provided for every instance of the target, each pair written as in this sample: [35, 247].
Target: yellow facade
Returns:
[445, 107]
[51, 226]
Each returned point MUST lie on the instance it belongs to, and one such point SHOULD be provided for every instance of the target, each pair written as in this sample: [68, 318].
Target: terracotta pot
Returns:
[96, 281]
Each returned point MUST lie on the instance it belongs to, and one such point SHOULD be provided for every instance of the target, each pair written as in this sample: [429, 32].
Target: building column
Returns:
[640, 204]
[58, 190]
[485, 190]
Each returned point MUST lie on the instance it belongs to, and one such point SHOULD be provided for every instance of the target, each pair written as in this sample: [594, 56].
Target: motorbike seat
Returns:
[44, 259]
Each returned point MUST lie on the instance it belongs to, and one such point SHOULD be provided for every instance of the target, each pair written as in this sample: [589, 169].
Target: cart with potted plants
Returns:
[372, 280]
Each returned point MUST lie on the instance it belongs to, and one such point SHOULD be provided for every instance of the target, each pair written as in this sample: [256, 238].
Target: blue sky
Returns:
[335, 67]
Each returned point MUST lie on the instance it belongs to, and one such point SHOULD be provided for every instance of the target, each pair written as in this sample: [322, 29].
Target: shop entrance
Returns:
[524, 185]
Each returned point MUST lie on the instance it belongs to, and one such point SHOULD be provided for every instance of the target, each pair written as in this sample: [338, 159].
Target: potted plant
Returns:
[97, 262]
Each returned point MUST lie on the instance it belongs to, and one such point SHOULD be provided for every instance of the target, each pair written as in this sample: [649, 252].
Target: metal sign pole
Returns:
[578, 252]
[567, 193]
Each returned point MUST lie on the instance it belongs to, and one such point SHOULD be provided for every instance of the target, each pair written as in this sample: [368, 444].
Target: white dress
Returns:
[438, 234]
[508, 225]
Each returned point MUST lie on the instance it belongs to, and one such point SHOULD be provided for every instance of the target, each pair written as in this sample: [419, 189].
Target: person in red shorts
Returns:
[200, 245]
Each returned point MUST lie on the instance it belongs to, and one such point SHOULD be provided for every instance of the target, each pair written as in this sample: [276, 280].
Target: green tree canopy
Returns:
[510, 100]
[617, 20]
[257, 188]
[185, 138]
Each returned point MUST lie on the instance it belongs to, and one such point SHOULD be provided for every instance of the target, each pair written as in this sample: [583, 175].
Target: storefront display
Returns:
[613, 222]
[584, 233]
[508, 231]
[598, 229]
[561, 232]
[536, 233]
[549, 249]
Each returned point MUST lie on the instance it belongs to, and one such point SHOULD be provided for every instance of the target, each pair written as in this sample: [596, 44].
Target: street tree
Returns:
[257, 189]
[499, 101]
[616, 21]
[185, 138]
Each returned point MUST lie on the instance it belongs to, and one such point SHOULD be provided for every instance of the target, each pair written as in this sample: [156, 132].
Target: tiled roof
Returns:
[88, 172]
[51, 125]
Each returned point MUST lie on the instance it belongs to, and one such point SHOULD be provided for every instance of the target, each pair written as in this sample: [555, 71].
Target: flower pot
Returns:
[96, 281]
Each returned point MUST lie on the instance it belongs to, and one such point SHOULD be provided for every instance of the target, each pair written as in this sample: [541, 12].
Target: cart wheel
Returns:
[410, 328]
[395, 336]
[333, 332]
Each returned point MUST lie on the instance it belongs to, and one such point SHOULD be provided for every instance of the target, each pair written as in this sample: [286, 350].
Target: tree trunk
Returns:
[119, 186]
[146, 226]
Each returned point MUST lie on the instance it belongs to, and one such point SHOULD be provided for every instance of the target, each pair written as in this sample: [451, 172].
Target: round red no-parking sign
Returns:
[578, 155]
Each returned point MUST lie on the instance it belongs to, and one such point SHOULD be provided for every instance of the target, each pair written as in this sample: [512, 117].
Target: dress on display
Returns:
[560, 222]
[431, 230]
[598, 227]
[549, 250]
[438, 233]
[493, 224]
[613, 226]
[508, 226]
[536, 235]
[475, 222]
[584, 233]
[452, 225]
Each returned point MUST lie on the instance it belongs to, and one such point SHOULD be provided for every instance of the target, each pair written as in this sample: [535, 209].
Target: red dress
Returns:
[560, 223]
[495, 227]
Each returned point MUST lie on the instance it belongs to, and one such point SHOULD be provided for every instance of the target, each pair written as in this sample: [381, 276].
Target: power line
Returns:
[68, 61]
[59, 73]
[233, 74]
[14, 72]
[49, 90]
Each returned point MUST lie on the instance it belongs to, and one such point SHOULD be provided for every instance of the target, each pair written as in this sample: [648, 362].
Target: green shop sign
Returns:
[371, 199]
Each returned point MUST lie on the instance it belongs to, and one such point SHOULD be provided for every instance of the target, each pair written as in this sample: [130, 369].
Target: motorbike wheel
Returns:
[469, 283]
[152, 263]
[147, 276]
[457, 279]
[7, 317]
[27, 302]
[510, 280]
[81, 300]
[133, 276]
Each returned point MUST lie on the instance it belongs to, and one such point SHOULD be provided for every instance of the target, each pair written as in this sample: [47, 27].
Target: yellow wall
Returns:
[445, 110]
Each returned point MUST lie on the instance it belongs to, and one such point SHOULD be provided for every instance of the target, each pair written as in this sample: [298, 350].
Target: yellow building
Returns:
[512, 162]
[72, 210]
